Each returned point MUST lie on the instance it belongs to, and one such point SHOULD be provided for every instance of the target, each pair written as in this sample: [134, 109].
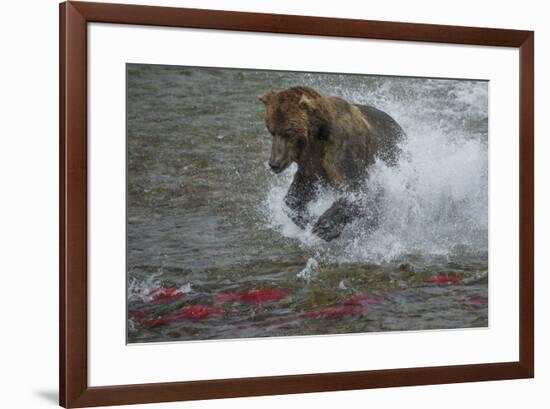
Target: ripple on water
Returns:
[206, 217]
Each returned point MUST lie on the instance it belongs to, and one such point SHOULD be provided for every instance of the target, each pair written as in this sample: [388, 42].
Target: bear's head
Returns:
[295, 117]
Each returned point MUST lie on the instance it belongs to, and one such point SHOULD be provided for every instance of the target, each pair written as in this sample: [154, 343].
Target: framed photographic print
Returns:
[272, 204]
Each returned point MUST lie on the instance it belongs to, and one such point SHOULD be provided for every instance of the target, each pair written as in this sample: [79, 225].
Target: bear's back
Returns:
[385, 131]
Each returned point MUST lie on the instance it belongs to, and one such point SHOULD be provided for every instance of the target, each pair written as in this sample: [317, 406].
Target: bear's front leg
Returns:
[299, 195]
[332, 222]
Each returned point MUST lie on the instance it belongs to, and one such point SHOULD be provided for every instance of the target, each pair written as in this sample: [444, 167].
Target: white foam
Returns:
[309, 271]
[435, 201]
[140, 290]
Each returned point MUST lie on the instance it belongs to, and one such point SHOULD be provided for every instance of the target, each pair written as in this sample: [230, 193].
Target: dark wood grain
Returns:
[280, 385]
[73, 349]
[62, 208]
[279, 23]
[74, 221]
[527, 203]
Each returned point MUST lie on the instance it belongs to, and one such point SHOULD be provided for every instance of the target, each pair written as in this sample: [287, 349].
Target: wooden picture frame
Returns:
[73, 229]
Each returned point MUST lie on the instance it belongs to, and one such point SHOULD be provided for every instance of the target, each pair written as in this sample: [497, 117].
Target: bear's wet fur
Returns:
[334, 143]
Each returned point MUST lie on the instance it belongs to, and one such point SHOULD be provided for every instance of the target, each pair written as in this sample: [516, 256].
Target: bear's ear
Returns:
[307, 103]
[266, 97]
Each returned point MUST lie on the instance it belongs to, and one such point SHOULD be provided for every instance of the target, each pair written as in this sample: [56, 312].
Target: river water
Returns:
[213, 255]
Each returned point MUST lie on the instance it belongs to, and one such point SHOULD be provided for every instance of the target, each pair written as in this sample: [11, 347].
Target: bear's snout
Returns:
[275, 165]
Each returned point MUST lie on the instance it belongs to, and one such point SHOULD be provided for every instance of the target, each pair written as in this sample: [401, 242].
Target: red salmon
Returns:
[253, 296]
[195, 312]
[190, 312]
[449, 279]
[165, 293]
[335, 312]
[477, 301]
[154, 322]
[137, 315]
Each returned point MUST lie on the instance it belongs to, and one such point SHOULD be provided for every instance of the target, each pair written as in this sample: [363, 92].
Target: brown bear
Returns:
[333, 143]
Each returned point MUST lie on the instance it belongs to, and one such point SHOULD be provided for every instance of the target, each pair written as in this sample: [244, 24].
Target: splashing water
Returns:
[434, 202]
[212, 253]
[309, 271]
[147, 290]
